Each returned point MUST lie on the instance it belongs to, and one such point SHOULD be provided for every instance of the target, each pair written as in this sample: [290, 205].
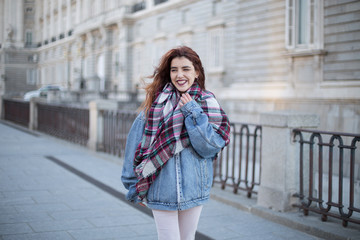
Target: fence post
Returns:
[33, 118]
[279, 168]
[96, 121]
[2, 111]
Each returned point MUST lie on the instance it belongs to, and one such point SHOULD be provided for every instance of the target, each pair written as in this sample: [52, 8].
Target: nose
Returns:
[180, 74]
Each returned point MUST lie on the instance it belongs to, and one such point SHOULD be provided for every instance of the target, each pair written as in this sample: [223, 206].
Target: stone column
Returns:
[68, 16]
[60, 23]
[3, 22]
[37, 29]
[1, 108]
[45, 8]
[279, 170]
[123, 55]
[92, 80]
[125, 61]
[52, 25]
[96, 137]
[78, 11]
[78, 61]
[149, 4]
[107, 41]
[20, 24]
[85, 8]
[33, 118]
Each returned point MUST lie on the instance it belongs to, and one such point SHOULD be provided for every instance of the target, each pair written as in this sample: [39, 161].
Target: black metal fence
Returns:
[116, 128]
[329, 177]
[329, 163]
[17, 111]
[69, 123]
[239, 164]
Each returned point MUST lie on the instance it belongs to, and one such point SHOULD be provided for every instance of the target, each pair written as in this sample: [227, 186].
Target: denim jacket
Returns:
[186, 179]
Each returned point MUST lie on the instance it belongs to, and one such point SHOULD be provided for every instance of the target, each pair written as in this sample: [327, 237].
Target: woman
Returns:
[172, 143]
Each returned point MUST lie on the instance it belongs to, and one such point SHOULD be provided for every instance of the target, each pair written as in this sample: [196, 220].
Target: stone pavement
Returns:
[52, 189]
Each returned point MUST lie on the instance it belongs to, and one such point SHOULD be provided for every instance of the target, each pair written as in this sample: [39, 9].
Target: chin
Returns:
[182, 90]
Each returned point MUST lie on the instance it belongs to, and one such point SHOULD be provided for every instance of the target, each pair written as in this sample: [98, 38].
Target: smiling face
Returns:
[182, 73]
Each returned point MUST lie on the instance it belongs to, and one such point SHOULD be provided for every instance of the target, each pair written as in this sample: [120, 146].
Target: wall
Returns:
[265, 77]
[256, 72]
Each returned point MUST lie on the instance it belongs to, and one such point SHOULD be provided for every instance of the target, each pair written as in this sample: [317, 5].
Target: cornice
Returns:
[161, 8]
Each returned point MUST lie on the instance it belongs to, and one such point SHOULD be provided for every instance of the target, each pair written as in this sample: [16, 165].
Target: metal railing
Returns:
[238, 164]
[69, 123]
[329, 180]
[116, 128]
[17, 111]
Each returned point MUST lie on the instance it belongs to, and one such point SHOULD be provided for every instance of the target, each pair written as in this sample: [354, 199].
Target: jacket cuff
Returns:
[132, 195]
[191, 107]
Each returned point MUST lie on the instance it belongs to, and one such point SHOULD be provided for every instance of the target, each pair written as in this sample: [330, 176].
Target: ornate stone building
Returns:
[259, 55]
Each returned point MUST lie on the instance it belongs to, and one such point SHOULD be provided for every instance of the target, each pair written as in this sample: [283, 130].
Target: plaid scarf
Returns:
[165, 133]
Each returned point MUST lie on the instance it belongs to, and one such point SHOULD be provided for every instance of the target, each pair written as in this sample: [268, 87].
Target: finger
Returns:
[183, 101]
[184, 97]
[188, 97]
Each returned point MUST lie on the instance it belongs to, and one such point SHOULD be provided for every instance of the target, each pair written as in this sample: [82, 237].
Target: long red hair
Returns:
[161, 74]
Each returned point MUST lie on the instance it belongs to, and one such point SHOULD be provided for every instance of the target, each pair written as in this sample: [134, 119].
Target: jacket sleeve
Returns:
[206, 142]
[128, 176]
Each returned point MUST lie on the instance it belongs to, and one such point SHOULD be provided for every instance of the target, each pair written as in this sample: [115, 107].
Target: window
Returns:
[215, 58]
[31, 76]
[138, 6]
[156, 2]
[304, 24]
[28, 38]
[116, 62]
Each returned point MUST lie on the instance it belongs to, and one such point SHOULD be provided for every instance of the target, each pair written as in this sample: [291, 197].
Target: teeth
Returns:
[181, 82]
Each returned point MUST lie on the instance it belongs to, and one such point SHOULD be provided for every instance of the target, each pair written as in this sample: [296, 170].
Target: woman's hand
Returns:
[185, 98]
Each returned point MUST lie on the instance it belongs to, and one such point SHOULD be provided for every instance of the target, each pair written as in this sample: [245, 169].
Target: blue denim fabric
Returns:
[186, 179]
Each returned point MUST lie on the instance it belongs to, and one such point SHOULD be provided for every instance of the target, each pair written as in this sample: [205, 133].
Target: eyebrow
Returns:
[182, 67]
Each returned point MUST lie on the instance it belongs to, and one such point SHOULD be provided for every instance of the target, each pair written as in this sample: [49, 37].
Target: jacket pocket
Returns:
[163, 189]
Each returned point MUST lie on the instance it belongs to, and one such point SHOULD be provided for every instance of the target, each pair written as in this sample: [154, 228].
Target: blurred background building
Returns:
[259, 55]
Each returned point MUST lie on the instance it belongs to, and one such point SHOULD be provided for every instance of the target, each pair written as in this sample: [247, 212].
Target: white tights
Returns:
[177, 225]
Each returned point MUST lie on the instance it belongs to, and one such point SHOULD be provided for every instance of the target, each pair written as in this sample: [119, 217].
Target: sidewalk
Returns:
[52, 189]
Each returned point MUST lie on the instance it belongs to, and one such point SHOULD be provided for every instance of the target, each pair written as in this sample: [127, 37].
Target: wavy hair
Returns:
[161, 73]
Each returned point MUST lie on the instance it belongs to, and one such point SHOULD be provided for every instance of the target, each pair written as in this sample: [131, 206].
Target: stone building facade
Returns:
[259, 56]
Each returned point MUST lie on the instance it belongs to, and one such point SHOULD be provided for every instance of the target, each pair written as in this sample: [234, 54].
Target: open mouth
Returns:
[181, 82]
